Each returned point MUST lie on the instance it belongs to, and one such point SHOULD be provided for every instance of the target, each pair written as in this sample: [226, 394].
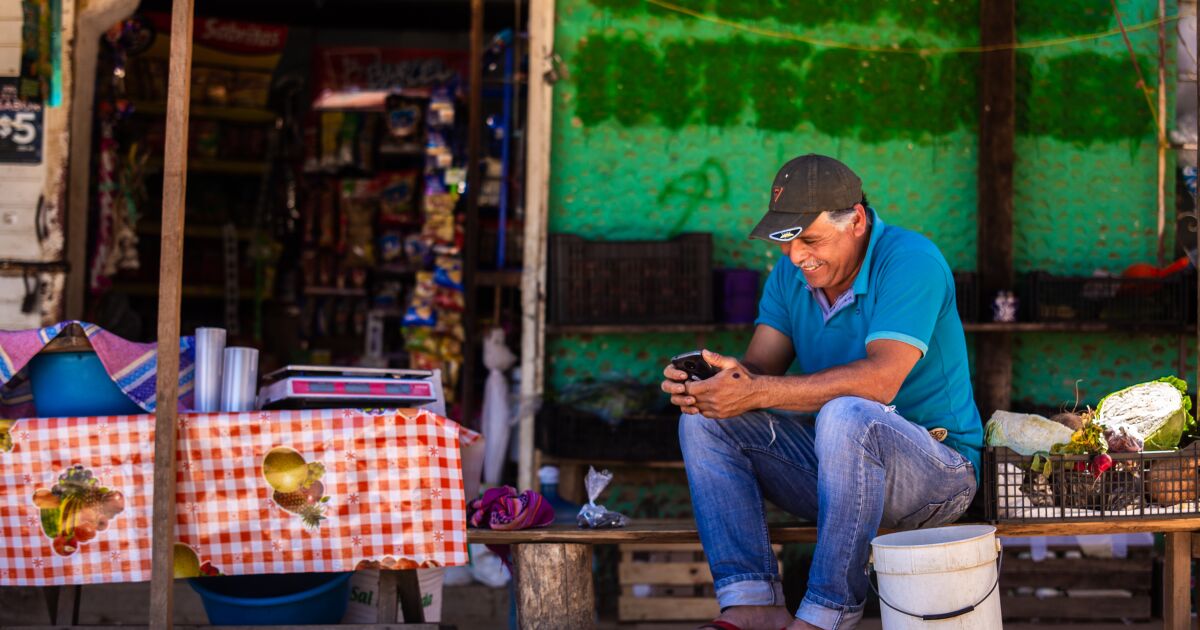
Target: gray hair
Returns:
[840, 219]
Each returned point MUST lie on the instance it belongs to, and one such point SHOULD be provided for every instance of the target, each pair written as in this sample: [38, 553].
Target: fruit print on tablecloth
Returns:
[296, 484]
[76, 509]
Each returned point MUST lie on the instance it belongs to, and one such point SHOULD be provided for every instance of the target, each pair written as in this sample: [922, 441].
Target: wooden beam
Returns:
[684, 531]
[409, 592]
[1177, 586]
[389, 589]
[537, 208]
[474, 181]
[169, 294]
[997, 128]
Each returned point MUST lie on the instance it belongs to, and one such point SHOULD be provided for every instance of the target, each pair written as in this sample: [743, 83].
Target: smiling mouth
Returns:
[811, 266]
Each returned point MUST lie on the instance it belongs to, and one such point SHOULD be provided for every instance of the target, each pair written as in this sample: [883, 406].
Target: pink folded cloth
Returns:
[503, 508]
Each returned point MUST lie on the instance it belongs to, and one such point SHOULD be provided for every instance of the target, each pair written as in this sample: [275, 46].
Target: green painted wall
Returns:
[666, 122]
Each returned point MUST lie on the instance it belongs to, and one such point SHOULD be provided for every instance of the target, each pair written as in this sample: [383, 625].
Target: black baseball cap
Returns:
[804, 188]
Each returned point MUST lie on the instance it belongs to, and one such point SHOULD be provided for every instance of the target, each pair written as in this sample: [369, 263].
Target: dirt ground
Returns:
[473, 607]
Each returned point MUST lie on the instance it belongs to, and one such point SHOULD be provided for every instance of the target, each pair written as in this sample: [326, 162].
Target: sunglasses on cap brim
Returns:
[785, 235]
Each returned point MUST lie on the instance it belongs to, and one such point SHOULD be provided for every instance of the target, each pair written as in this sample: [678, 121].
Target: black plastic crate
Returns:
[1146, 301]
[966, 295]
[631, 282]
[566, 432]
[1156, 484]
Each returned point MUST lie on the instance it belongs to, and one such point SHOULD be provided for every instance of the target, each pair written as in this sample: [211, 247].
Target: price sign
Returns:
[20, 126]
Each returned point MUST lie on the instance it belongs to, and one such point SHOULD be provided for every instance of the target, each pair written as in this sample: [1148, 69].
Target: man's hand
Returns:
[674, 385]
[730, 393]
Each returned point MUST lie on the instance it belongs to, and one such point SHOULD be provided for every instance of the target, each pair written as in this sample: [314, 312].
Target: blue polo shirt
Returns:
[905, 292]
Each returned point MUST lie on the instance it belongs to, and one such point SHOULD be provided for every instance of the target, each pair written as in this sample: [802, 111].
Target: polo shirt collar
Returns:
[863, 279]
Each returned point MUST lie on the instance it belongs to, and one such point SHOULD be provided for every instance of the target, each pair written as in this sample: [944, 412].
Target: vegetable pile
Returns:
[1149, 416]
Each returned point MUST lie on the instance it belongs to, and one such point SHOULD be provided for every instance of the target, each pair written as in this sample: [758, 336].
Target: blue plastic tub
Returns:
[274, 599]
[75, 384]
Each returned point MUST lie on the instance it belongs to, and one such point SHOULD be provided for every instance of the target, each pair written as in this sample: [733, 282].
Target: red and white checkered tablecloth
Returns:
[379, 488]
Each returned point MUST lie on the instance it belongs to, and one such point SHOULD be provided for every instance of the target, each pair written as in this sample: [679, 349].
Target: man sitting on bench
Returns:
[867, 311]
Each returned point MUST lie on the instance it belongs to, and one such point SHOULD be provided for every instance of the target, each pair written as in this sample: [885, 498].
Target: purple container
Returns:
[737, 295]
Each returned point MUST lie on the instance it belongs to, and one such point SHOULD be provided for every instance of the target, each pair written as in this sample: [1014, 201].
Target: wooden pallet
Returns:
[666, 582]
[1093, 588]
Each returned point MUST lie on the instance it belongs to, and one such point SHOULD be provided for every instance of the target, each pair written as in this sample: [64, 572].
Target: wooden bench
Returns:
[552, 567]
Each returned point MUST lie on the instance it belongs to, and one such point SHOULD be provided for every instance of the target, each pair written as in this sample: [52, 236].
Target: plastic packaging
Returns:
[594, 516]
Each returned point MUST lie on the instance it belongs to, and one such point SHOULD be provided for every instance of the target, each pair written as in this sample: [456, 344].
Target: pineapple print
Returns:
[296, 484]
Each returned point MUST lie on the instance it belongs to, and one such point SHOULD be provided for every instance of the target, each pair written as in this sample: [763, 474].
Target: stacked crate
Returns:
[667, 583]
[1069, 585]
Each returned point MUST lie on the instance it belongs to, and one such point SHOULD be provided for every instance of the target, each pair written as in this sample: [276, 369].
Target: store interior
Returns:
[329, 217]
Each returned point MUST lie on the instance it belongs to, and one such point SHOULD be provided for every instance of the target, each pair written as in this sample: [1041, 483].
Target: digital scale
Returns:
[326, 387]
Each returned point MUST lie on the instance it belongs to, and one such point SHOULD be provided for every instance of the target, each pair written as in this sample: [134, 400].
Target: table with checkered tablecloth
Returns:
[383, 489]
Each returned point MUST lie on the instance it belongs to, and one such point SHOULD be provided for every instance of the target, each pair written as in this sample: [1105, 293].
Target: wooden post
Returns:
[169, 294]
[474, 181]
[1161, 131]
[554, 586]
[537, 206]
[997, 125]
[409, 590]
[1177, 576]
[389, 588]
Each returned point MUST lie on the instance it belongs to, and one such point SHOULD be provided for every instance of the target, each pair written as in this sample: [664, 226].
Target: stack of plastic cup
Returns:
[210, 358]
[239, 383]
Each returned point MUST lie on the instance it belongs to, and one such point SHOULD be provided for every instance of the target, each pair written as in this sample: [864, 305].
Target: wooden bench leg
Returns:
[554, 586]
[62, 603]
[1177, 575]
[400, 590]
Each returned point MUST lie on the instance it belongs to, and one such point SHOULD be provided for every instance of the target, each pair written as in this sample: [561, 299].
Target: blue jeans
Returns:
[857, 467]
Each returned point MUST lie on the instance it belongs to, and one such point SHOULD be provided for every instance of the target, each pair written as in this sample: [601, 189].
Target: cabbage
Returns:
[1159, 410]
[1025, 433]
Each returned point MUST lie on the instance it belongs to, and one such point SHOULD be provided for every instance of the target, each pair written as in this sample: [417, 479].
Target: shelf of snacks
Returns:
[215, 166]
[212, 112]
[212, 292]
[335, 292]
[195, 231]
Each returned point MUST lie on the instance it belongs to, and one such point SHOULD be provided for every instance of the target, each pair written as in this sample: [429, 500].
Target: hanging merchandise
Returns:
[106, 188]
[497, 414]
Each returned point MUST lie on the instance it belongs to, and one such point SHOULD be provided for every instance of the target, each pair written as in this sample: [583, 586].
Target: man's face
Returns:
[828, 257]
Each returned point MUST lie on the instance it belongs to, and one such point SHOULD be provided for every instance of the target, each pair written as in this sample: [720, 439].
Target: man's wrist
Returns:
[765, 388]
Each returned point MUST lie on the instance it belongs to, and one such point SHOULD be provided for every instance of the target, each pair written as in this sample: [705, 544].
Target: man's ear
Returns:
[860, 219]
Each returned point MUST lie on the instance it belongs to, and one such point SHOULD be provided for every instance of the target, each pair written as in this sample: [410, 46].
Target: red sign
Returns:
[353, 69]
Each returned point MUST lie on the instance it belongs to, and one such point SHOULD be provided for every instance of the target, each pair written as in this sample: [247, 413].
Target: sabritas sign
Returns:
[240, 37]
[225, 43]
[229, 36]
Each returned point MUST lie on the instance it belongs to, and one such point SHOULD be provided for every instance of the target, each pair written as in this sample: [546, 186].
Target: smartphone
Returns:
[694, 364]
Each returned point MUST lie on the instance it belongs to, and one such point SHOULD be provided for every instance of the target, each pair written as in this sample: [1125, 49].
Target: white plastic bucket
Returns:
[928, 575]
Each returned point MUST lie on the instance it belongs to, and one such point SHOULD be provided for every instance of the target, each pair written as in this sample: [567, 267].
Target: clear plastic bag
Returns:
[593, 516]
